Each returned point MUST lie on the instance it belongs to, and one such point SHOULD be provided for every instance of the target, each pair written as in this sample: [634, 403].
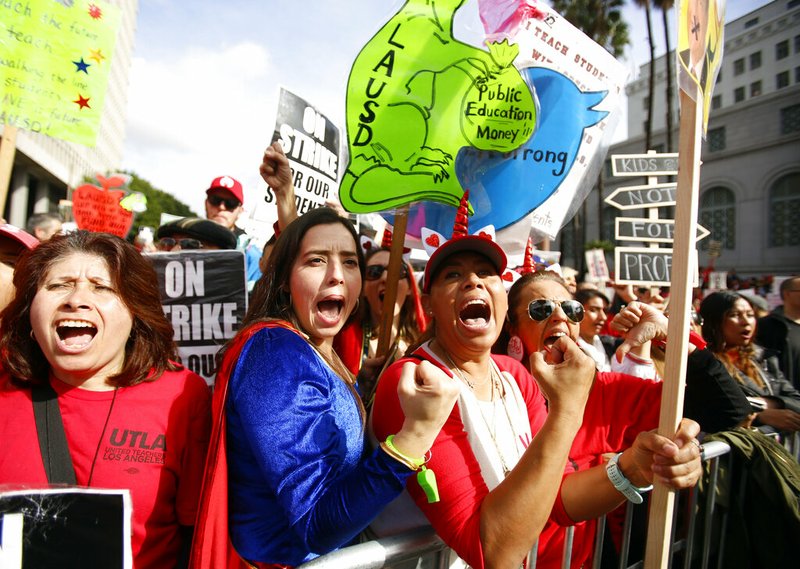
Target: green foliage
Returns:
[603, 244]
[158, 202]
[601, 20]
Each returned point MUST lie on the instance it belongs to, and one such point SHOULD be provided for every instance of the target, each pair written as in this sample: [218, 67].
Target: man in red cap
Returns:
[224, 201]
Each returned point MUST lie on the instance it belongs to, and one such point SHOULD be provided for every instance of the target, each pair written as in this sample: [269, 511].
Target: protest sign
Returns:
[598, 268]
[700, 42]
[59, 527]
[578, 86]
[311, 143]
[204, 295]
[416, 95]
[98, 208]
[55, 66]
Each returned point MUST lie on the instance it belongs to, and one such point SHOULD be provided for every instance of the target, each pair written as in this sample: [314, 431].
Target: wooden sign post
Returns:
[392, 277]
[662, 501]
[8, 147]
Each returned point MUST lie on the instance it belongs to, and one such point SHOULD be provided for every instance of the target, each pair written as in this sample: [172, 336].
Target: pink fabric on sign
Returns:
[503, 17]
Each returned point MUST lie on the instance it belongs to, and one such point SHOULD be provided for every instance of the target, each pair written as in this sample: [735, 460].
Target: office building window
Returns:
[797, 74]
[790, 119]
[750, 23]
[718, 215]
[755, 88]
[784, 211]
[782, 80]
[797, 44]
[716, 102]
[738, 66]
[738, 95]
[719, 75]
[716, 139]
[782, 49]
[755, 60]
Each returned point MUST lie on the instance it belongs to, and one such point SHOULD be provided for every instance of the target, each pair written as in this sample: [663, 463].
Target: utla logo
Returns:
[98, 208]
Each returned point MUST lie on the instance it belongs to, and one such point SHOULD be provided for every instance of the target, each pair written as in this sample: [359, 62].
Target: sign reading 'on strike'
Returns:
[204, 296]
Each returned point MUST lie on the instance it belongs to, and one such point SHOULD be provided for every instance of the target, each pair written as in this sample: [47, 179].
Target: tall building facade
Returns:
[750, 175]
[46, 168]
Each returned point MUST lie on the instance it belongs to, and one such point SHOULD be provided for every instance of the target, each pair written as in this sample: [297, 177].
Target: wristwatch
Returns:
[622, 484]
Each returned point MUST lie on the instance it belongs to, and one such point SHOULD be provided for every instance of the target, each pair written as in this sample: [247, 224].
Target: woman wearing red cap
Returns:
[501, 455]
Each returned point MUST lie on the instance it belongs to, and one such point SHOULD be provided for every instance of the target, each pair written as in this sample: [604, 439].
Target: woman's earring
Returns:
[515, 348]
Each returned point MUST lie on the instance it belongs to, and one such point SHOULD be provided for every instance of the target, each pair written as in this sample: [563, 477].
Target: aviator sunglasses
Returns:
[230, 203]
[542, 309]
[374, 272]
[167, 243]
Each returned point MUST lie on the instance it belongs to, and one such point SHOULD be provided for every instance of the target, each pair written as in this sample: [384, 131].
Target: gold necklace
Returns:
[495, 375]
[457, 370]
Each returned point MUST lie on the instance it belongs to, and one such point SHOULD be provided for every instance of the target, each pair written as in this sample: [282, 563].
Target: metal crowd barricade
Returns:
[425, 547]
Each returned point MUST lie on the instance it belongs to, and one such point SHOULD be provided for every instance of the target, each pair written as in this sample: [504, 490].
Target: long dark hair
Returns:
[150, 346]
[714, 309]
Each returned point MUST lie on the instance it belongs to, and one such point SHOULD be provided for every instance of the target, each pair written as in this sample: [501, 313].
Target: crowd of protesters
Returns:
[534, 407]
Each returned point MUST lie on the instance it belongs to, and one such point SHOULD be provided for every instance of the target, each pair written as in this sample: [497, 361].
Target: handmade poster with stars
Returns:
[55, 63]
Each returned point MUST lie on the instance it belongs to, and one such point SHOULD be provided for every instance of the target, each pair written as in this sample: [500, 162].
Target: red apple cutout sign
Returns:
[98, 209]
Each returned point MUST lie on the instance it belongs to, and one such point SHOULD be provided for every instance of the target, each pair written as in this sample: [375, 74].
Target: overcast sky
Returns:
[205, 76]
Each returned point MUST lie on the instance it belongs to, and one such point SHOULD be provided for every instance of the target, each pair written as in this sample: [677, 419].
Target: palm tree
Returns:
[665, 6]
[652, 79]
[602, 21]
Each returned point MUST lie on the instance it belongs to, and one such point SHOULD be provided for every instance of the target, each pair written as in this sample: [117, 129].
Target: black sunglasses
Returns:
[542, 309]
[374, 272]
[167, 243]
[230, 203]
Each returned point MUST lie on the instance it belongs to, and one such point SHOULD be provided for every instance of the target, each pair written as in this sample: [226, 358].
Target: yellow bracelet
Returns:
[391, 450]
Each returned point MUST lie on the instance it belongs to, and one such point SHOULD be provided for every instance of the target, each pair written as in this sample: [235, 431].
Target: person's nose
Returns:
[559, 314]
[78, 297]
[472, 280]
[335, 272]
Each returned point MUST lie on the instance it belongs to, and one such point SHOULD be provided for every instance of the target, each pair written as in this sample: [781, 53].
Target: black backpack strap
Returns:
[52, 439]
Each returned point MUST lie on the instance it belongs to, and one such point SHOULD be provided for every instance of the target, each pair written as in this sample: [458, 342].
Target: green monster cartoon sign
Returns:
[415, 96]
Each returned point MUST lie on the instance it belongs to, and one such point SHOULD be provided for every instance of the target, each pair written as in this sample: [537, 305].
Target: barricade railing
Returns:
[424, 545]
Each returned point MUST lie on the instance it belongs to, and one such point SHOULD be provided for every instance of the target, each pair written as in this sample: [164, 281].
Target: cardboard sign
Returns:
[416, 95]
[641, 265]
[69, 528]
[701, 38]
[644, 164]
[204, 295]
[598, 268]
[55, 65]
[637, 197]
[650, 230]
[311, 143]
[98, 208]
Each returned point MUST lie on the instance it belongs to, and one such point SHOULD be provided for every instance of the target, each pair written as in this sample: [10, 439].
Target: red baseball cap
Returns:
[227, 183]
[19, 236]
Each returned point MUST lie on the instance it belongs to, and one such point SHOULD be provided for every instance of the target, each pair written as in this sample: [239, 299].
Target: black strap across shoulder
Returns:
[52, 439]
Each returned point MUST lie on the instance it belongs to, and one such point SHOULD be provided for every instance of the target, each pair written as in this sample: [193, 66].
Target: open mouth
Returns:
[475, 314]
[552, 339]
[75, 333]
[330, 309]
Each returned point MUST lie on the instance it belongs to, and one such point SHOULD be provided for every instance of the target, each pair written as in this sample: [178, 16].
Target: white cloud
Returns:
[204, 113]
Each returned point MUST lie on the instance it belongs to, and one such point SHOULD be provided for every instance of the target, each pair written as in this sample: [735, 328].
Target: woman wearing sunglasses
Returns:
[619, 406]
[357, 344]
[501, 455]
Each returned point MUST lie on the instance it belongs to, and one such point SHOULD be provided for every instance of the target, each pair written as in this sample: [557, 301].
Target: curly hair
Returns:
[150, 348]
